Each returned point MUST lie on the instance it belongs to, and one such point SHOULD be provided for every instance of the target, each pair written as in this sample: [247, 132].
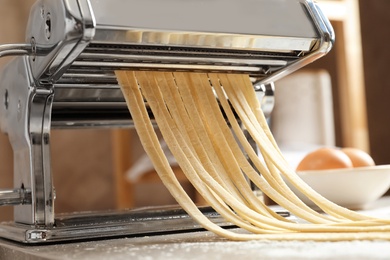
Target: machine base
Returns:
[99, 225]
[93, 225]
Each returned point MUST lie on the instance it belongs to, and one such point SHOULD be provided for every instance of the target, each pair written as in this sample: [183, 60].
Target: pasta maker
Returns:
[63, 77]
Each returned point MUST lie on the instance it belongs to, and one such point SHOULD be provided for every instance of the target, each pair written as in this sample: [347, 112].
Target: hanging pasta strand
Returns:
[276, 157]
[190, 110]
[303, 211]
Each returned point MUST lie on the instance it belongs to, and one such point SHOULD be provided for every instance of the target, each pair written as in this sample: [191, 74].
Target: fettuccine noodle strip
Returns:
[280, 163]
[186, 159]
[293, 203]
[215, 165]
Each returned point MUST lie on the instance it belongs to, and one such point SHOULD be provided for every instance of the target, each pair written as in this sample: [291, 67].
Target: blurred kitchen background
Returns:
[89, 165]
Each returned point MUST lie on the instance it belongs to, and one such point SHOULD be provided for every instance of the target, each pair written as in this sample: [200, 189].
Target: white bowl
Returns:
[353, 188]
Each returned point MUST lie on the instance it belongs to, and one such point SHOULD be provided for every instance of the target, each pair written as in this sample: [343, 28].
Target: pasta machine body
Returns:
[64, 77]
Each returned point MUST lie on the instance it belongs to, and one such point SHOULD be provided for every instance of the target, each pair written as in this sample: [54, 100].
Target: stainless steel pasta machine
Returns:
[64, 77]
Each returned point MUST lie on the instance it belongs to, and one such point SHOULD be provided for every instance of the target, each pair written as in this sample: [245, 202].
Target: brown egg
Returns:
[324, 159]
[358, 157]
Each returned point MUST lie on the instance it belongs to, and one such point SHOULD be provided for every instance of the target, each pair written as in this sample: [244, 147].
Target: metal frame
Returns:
[57, 77]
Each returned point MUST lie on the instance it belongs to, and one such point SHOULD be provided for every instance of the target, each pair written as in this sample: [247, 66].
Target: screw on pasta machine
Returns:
[48, 26]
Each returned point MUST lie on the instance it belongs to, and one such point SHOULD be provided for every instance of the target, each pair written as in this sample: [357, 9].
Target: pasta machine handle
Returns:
[16, 49]
[19, 49]
[15, 197]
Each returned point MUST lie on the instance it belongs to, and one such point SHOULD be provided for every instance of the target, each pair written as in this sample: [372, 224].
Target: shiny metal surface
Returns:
[217, 16]
[15, 197]
[65, 27]
[155, 28]
[26, 117]
[92, 225]
[21, 49]
[86, 51]
[15, 49]
[73, 48]
[265, 93]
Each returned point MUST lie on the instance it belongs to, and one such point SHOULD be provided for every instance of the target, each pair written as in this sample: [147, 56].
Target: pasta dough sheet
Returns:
[197, 116]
